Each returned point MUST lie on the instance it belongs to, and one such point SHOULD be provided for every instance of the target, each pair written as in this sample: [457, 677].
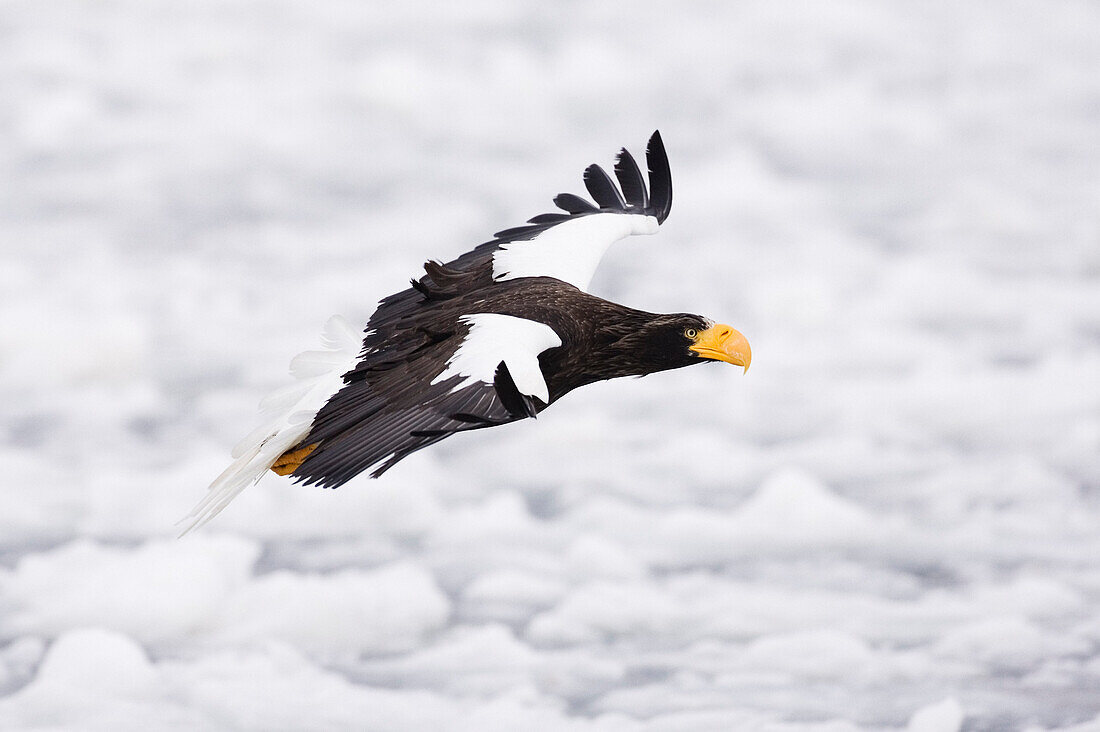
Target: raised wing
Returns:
[568, 246]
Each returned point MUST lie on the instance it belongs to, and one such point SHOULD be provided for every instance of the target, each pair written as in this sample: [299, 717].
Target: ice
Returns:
[348, 612]
[510, 596]
[607, 610]
[594, 557]
[19, 662]
[274, 687]
[889, 523]
[157, 593]
[1088, 726]
[1009, 643]
[944, 716]
[809, 654]
[471, 661]
[99, 680]
[80, 657]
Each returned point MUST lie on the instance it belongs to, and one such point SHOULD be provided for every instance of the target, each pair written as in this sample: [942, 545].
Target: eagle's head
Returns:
[682, 339]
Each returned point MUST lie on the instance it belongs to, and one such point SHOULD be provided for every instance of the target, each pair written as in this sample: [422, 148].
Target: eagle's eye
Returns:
[691, 332]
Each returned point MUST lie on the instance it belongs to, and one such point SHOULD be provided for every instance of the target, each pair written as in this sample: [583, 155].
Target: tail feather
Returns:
[287, 416]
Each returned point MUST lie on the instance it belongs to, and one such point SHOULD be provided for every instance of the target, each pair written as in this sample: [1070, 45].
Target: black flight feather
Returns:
[602, 188]
[631, 180]
[548, 218]
[516, 402]
[660, 178]
[574, 204]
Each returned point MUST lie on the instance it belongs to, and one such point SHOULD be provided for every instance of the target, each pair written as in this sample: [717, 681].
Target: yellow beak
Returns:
[723, 343]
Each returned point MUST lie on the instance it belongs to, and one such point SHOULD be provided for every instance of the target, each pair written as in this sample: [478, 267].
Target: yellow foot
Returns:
[289, 461]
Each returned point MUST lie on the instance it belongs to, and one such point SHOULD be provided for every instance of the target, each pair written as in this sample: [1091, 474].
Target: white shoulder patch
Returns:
[494, 338]
[569, 251]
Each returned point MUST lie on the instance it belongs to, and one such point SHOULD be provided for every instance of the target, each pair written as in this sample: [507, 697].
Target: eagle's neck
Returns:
[625, 343]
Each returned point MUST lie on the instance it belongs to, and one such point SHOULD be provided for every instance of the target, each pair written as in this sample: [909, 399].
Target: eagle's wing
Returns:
[400, 401]
[346, 412]
[566, 246]
[569, 246]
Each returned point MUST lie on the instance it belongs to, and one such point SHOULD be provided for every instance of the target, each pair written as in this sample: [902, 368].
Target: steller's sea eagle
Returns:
[494, 336]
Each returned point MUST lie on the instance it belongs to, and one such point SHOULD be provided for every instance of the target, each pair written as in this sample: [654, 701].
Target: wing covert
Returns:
[481, 371]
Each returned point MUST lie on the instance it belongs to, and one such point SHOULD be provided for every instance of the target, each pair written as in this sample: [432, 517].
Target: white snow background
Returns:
[891, 522]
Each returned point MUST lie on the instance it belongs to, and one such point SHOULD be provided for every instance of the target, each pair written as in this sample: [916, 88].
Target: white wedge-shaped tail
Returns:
[287, 416]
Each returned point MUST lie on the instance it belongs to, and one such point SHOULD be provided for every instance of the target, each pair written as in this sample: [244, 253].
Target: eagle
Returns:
[494, 336]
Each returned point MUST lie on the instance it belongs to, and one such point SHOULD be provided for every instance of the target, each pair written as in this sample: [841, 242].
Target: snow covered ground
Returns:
[892, 521]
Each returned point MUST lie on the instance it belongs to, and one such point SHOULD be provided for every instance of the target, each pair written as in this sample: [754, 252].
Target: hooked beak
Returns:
[722, 343]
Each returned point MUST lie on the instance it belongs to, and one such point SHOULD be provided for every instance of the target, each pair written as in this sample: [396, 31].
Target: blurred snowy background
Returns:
[892, 521]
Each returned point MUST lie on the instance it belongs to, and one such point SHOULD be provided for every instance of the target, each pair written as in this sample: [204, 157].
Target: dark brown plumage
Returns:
[384, 410]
